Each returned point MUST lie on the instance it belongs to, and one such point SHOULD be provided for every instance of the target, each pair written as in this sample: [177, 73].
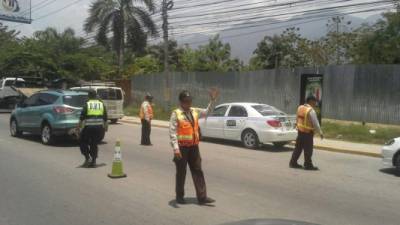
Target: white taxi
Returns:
[391, 154]
[253, 124]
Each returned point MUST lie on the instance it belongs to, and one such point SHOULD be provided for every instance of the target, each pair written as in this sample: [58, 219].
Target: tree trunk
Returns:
[122, 42]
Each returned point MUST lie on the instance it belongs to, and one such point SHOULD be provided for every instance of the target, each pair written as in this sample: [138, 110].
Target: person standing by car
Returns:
[185, 137]
[93, 122]
[146, 115]
[307, 125]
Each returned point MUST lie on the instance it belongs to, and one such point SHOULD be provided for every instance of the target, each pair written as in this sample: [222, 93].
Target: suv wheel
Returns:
[14, 129]
[250, 139]
[46, 134]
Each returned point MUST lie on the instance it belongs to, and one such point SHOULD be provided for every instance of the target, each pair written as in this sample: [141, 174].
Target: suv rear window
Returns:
[75, 100]
[266, 110]
[109, 93]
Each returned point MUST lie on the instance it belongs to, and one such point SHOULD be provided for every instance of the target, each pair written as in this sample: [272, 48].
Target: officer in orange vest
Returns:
[146, 115]
[184, 135]
[307, 125]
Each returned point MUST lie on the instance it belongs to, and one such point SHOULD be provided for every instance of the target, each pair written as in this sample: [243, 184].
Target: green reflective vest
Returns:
[95, 108]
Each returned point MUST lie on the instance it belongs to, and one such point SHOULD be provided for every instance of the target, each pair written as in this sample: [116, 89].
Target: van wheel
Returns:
[46, 135]
[14, 129]
[250, 139]
[114, 121]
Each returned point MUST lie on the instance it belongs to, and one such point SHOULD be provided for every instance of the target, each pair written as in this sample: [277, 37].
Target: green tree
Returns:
[216, 56]
[129, 22]
[284, 50]
[379, 43]
[174, 56]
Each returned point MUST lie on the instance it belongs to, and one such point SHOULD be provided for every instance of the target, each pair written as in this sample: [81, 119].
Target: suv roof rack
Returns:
[99, 83]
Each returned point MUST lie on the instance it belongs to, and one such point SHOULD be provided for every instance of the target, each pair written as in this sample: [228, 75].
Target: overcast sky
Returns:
[75, 15]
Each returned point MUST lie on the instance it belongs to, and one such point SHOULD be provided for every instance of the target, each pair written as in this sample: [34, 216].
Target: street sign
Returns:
[16, 11]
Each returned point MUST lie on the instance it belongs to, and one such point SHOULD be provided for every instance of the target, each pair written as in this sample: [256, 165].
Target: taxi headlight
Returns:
[391, 142]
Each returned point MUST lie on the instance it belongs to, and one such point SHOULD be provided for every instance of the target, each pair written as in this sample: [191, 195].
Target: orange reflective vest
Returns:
[149, 109]
[304, 123]
[187, 132]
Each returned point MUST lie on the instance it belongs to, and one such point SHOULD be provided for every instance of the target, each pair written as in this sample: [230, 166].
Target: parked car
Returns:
[49, 114]
[113, 98]
[251, 123]
[12, 91]
[391, 154]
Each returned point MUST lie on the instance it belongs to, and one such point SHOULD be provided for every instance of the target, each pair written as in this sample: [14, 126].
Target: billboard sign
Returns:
[311, 85]
[15, 10]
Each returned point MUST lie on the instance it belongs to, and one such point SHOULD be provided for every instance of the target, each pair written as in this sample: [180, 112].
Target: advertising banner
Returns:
[15, 10]
[311, 85]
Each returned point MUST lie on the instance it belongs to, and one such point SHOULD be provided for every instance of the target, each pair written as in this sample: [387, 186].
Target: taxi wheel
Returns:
[46, 135]
[250, 139]
[397, 163]
[114, 121]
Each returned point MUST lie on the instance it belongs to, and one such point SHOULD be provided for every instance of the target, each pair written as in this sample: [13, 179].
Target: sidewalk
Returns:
[326, 144]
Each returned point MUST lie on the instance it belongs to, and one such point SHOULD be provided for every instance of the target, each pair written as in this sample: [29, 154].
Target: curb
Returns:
[317, 147]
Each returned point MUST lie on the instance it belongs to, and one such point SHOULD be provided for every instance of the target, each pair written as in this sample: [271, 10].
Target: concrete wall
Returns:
[368, 93]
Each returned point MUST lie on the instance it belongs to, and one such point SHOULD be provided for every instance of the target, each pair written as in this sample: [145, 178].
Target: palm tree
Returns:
[127, 20]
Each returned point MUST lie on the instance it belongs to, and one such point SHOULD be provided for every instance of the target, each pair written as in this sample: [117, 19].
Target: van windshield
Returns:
[109, 93]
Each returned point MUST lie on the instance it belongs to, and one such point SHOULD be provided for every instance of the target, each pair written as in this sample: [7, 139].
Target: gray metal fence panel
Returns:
[369, 93]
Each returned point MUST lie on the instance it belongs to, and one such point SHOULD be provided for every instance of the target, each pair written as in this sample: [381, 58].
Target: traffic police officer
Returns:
[93, 122]
[307, 125]
[146, 115]
[184, 136]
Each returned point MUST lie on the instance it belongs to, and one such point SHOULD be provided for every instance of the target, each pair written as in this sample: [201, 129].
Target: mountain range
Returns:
[244, 40]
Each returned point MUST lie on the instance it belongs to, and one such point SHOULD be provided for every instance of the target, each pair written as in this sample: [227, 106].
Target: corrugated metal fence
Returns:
[369, 93]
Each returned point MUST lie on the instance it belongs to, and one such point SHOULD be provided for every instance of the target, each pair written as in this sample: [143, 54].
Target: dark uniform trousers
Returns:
[305, 141]
[191, 156]
[90, 138]
[146, 130]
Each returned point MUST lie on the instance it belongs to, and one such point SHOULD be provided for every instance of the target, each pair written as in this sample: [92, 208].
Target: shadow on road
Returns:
[264, 148]
[390, 171]
[61, 142]
[97, 166]
[189, 201]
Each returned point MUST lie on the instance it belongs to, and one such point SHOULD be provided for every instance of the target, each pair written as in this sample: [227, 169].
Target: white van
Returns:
[113, 98]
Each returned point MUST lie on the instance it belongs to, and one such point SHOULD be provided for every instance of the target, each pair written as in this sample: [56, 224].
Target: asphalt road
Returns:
[44, 185]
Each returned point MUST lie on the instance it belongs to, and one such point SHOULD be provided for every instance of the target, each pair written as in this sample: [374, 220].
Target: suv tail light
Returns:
[63, 110]
[274, 123]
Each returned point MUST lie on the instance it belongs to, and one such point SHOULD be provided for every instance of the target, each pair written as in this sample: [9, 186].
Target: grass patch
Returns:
[159, 113]
[356, 132]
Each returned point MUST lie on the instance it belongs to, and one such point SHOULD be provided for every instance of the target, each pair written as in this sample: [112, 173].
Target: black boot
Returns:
[180, 200]
[86, 163]
[93, 163]
[206, 201]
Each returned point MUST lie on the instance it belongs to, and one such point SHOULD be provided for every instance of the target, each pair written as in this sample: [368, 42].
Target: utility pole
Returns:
[166, 6]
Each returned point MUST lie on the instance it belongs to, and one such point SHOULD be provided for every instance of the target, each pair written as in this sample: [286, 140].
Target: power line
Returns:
[236, 9]
[263, 22]
[282, 14]
[289, 25]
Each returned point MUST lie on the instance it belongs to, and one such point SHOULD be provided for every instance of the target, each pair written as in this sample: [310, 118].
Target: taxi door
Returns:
[235, 122]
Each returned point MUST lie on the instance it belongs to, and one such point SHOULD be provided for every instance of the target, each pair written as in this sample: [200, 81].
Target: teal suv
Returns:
[49, 113]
